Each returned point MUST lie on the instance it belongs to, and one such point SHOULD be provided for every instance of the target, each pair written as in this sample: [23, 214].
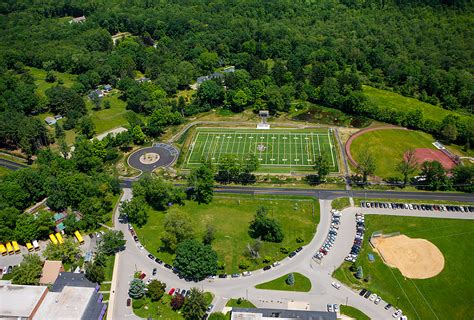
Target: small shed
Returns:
[77, 19]
[107, 88]
[50, 121]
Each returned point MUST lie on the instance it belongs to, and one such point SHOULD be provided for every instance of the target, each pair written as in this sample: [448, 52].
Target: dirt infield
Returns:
[425, 154]
[415, 258]
[359, 133]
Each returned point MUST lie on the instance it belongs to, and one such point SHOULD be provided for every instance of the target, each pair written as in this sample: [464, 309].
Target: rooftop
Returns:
[51, 270]
[70, 303]
[19, 301]
[264, 314]
[73, 280]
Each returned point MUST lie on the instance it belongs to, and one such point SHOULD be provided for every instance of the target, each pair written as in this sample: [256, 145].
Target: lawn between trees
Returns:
[230, 217]
[446, 296]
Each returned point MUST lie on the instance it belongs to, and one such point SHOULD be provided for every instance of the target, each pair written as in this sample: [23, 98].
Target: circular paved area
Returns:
[166, 155]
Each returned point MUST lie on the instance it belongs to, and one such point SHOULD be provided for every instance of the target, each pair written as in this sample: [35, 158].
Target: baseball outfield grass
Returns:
[388, 147]
[445, 296]
[230, 216]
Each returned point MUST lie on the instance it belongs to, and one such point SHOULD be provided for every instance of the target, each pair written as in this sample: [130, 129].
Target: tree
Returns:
[201, 181]
[360, 273]
[463, 177]
[29, 271]
[449, 132]
[254, 248]
[67, 252]
[366, 166]
[178, 227]
[321, 165]
[156, 289]
[137, 134]
[210, 92]
[217, 316]
[195, 260]
[9, 218]
[29, 227]
[95, 272]
[177, 301]
[158, 193]
[209, 236]
[228, 169]
[407, 166]
[87, 127]
[195, 305]
[137, 289]
[63, 148]
[268, 229]
[290, 280]
[111, 242]
[434, 173]
[59, 131]
[135, 210]
[107, 104]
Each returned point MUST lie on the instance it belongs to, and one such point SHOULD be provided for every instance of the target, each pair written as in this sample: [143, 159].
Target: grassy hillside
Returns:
[64, 79]
[384, 98]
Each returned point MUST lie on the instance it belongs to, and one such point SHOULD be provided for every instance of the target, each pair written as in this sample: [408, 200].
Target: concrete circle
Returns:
[149, 158]
[166, 155]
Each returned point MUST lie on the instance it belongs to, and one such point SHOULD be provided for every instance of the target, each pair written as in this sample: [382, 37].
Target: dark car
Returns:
[267, 268]
[151, 256]
[135, 238]
[129, 302]
[362, 292]
[168, 266]
[223, 276]
[388, 306]
[292, 254]
[154, 271]
[299, 249]
[367, 294]
[157, 260]
[91, 235]
[183, 293]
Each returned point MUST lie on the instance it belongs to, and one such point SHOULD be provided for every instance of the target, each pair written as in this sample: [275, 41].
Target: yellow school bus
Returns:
[3, 250]
[16, 247]
[9, 248]
[53, 239]
[59, 237]
[79, 237]
[29, 246]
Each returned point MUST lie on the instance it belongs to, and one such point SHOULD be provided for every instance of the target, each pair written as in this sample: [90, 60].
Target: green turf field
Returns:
[230, 216]
[388, 99]
[388, 147]
[277, 150]
[445, 296]
[302, 284]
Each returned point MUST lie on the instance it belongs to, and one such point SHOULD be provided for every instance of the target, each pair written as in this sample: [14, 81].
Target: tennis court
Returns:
[291, 150]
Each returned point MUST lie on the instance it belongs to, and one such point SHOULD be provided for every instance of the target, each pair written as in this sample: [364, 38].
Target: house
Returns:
[268, 314]
[142, 80]
[80, 19]
[50, 121]
[96, 93]
[230, 69]
[51, 271]
[107, 88]
[58, 220]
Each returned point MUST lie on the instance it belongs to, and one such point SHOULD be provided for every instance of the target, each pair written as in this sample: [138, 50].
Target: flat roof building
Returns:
[268, 314]
[20, 302]
[51, 270]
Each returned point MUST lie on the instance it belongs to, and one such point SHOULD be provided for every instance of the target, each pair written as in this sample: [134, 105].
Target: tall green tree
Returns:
[434, 173]
[111, 242]
[195, 260]
[366, 166]
[321, 165]
[201, 181]
[29, 270]
[136, 289]
[178, 227]
[95, 272]
[156, 289]
[407, 166]
[135, 210]
[195, 305]
[67, 252]
[268, 229]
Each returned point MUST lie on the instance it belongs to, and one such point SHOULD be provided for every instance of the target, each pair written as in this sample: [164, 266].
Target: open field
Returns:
[231, 216]
[302, 284]
[445, 296]
[39, 75]
[388, 99]
[388, 147]
[106, 119]
[277, 150]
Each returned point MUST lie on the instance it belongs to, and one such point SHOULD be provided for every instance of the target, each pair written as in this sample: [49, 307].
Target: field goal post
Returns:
[263, 114]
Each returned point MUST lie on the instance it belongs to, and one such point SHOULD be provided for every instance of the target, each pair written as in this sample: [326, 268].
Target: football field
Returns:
[276, 149]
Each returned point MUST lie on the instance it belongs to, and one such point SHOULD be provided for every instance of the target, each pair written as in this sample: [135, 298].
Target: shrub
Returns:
[138, 303]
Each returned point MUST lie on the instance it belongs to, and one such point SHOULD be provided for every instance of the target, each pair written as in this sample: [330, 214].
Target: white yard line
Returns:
[319, 144]
[332, 154]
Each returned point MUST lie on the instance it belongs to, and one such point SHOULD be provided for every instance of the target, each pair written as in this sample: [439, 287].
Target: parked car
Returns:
[223, 275]
[367, 294]
[292, 254]
[335, 307]
[267, 268]
[329, 307]
[129, 302]
[299, 249]
[276, 263]
[397, 313]
[246, 273]
[362, 292]
[388, 306]
[336, 285]
[209, 307]
[235, 275]
[372, 297]
[151, 256]
[171, 291]
[135, 238]
[377, 300]
[142, 276]
[154, 271]
[157, 260]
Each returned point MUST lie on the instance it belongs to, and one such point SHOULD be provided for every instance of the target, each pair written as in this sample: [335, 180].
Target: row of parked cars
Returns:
[359, 238]
[331, 237]
[398, 313]
[417, 206]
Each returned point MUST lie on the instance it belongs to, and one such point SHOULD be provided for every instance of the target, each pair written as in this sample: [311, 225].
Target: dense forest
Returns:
[283, 51]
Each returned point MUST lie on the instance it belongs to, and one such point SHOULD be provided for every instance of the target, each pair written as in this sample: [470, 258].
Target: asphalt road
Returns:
[11, 164]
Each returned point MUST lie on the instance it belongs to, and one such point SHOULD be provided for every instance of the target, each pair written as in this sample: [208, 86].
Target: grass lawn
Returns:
[392, 100]
[302, 284]
[340, 203]
[4, 171]
[109, 268]
[230, 215]
[156, 309]
[40, 79]
[446, 296]
[353, 313]
[388, 147]
[424, 201]
[105, 287]
[106, 119]
[243, 303]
